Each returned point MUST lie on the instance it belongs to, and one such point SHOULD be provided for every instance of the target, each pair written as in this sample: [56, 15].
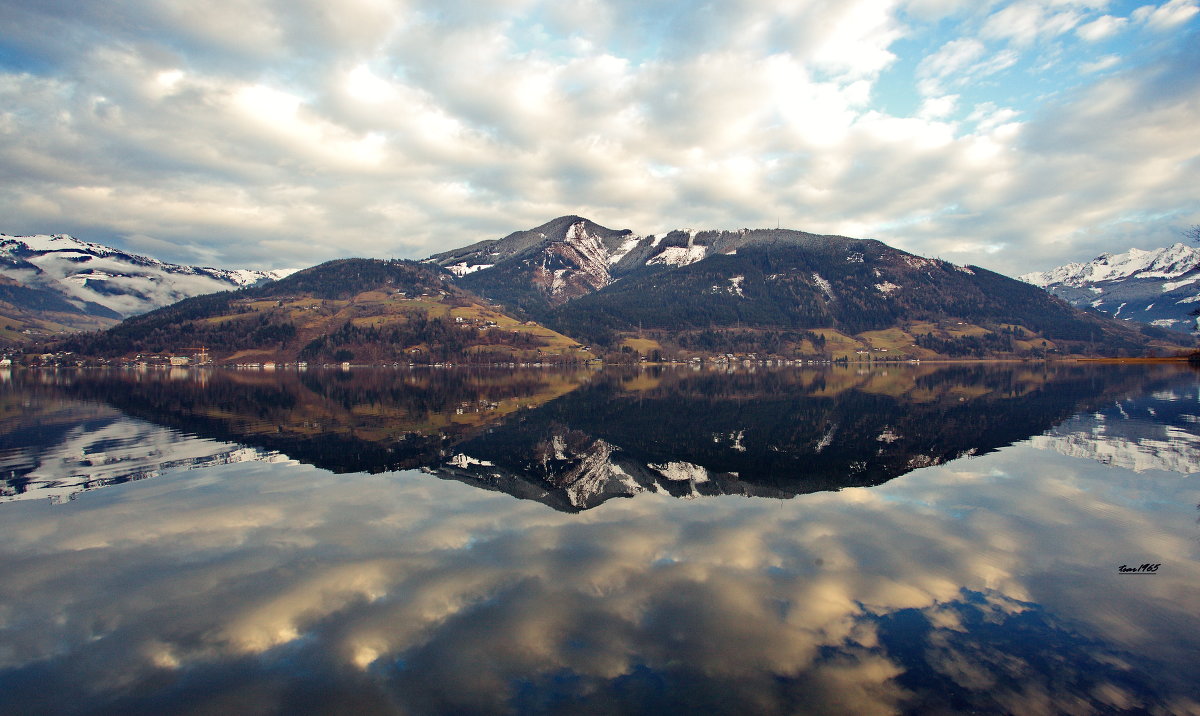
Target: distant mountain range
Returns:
[76, 285]
[570, 283]
[1159, 287]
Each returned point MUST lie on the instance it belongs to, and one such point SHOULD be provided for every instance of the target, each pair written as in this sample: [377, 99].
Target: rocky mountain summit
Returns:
[543, 267]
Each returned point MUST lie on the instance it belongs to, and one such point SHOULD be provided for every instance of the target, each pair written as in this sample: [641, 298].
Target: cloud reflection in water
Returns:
[987, 583]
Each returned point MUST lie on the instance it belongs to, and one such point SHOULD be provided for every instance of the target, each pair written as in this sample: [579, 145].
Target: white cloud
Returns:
[952, 58]
[932, 10]
[959, 62]
[937, 107]
[1100, 64]
[988, 117]
[388, 129]
[856, 39]
[365, 86]
[1102, 28]
[1025, 21]
[1168, 15]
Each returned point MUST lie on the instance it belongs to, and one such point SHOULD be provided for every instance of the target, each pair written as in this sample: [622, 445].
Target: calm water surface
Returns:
[909, 540]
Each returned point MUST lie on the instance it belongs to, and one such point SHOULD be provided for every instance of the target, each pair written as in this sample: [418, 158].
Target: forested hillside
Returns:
[361, 310]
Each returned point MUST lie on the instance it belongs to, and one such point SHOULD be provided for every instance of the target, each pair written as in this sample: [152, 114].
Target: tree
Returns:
[1192, 233]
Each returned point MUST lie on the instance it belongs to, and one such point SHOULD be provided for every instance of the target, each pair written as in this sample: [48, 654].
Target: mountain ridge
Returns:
[610, 286]
[684, 294]
[1159, 287]
[88, 274]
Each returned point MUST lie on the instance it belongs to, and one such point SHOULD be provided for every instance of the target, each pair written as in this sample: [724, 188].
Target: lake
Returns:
[1008, 538]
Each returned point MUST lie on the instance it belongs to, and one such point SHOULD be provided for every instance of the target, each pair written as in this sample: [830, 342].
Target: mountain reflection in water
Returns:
[575, 439]
[244, 585]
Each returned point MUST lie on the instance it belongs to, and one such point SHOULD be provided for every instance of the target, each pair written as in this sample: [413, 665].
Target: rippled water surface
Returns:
[915, 539]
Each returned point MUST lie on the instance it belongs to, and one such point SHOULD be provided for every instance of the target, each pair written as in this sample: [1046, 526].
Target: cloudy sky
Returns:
[279, 133]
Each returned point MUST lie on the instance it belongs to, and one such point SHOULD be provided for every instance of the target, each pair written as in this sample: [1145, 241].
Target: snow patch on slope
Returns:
[824, 285]
[463, 461]
[679, 255]
[1172, 285]
[919, 262]
[735, 286]
[462, 269]
[623, 250]
[682, 472]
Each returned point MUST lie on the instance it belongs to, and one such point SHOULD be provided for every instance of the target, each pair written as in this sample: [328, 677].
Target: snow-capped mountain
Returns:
[1160, 287]
[601, 251]
[560, 260]
[100, 280]
[594, 283]
[571, 257]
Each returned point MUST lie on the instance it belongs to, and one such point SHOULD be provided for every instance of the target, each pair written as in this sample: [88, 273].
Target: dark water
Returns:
[916, 539]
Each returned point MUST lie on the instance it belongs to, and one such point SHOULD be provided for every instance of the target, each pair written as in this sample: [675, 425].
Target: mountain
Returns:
[776, 292]
[569, 257]
[1159, 287]
[93, 281]
[361, 310]
[684, 294]
[543, 267]
[784, 292]
[31, 312]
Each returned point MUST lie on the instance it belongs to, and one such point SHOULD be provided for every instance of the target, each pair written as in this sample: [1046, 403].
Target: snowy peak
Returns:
[575, 266]
[1159, 287]
[1165, 263]
[56, 242]
[89, 274]
[604, 254]
[574, 230]
[560, 260]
